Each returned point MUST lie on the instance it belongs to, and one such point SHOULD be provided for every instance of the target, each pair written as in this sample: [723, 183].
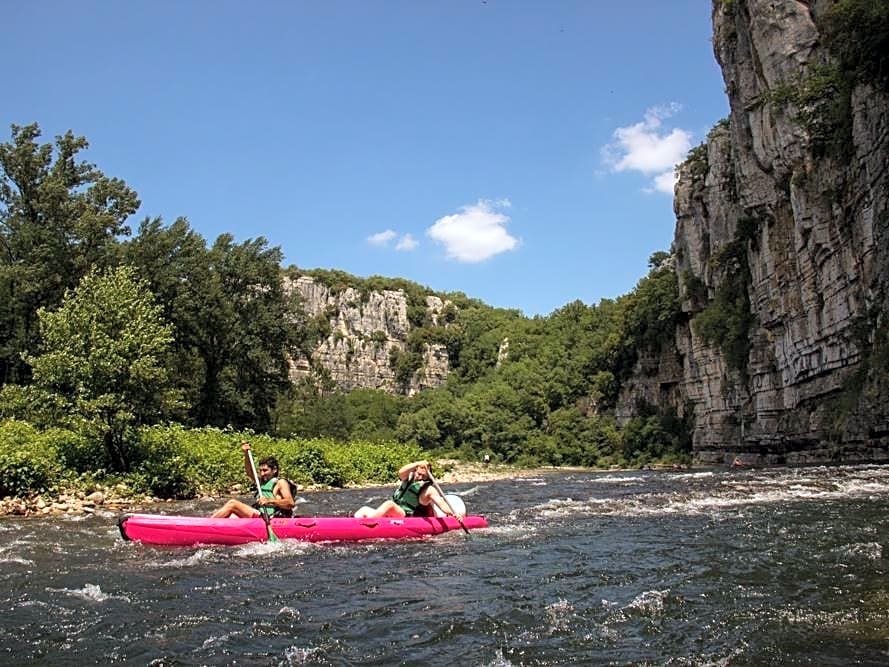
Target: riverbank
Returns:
[119, 498]
[461, 472]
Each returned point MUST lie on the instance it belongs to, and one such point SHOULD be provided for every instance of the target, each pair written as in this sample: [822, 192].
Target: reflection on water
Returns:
[777, 566]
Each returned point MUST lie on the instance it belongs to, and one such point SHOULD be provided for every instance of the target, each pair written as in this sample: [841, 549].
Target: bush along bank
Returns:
[58, 471]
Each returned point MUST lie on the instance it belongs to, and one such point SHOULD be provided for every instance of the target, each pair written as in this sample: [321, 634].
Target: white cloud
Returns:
[406, 242]
[381, 238]
[666, 182]
[648, 148]
[475, 234]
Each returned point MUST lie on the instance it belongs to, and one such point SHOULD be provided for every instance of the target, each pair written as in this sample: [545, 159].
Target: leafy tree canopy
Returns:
[59, 216]
[104, 354]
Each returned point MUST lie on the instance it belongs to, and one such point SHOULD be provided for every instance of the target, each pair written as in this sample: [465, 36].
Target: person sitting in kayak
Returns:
[415, 496]
[277, 496]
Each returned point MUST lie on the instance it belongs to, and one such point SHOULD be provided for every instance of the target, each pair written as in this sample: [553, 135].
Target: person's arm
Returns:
[408, 468]
[245, 447]
[284, 500]
[436, 498]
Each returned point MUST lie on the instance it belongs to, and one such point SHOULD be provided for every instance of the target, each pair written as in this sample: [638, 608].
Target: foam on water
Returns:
[17, 560]
[559, 615]
[517, 530]
[198, 557]
[289, 612]
[90, 592]
[866, 550]
[219, 640]
[499, 660]
[554, 507]
[616, 480]
[298, 655]
[727, 495]
[649, 603]
[706, 474]
[276, 548]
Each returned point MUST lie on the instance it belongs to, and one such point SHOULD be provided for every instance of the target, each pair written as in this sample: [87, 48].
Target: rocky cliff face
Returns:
[365, 335]
[786, 230]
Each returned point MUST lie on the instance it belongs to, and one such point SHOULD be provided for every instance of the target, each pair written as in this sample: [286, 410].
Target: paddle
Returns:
[265, 517]
[442, 494]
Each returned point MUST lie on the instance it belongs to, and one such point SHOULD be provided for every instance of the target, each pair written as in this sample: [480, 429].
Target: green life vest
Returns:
[268, 491]
[407, 497]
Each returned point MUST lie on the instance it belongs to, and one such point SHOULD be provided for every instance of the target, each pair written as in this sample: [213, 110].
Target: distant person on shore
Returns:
[487, 459]
[276, 498]
[415, 496]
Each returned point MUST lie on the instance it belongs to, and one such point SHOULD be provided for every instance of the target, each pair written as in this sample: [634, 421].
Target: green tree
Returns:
[104, 353]
[857, 33]
[58, 218]
[169, 258]
[235, 324]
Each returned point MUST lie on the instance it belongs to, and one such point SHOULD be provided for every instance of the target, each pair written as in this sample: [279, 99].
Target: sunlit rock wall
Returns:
[817, 257]
[363, 333]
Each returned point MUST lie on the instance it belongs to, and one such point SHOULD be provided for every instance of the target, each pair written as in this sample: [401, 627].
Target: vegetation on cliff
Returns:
[727, 319]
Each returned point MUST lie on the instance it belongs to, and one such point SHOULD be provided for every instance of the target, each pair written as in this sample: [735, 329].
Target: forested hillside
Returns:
[105, 329]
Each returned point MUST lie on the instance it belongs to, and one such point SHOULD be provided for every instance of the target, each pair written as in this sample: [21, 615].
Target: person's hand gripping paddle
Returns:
[265, 516]
[442, 494]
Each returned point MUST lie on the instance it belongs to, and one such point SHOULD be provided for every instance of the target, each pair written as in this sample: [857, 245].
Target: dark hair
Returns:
[271, 462]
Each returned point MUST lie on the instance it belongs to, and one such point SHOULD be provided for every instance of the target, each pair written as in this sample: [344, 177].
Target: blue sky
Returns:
[520, 152]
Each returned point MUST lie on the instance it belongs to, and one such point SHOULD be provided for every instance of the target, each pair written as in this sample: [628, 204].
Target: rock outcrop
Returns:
[367, 332]
[785, 209]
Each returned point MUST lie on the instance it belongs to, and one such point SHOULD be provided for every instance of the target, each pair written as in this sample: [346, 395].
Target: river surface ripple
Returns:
[705, 567]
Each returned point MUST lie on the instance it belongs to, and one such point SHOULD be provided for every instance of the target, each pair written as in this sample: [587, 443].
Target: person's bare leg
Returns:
[388, 508]
[235, 508]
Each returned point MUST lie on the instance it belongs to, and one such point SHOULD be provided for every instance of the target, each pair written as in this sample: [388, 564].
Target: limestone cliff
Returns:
[363, 337]
[782, 226]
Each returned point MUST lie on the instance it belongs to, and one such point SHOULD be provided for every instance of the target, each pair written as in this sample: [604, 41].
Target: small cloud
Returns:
[475, 234]
[381, 238]
[406, 242]
[665, 182]
[648, 148]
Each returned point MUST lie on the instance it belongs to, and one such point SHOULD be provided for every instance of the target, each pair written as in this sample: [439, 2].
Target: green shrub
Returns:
[309, 464]
[178, 462]
[28, 462]
[727, 319]
[164, 468]
[77, 452]
[360, 462]
[697, 162]
[857, 34]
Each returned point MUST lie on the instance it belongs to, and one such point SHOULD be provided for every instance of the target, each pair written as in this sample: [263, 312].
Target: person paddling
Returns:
[277, 496]
[415, 496]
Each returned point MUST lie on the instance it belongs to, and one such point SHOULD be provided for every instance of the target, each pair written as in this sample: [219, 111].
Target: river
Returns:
[702, 567]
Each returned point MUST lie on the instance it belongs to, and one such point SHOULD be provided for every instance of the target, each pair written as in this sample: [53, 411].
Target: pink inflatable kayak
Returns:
[189, 530]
